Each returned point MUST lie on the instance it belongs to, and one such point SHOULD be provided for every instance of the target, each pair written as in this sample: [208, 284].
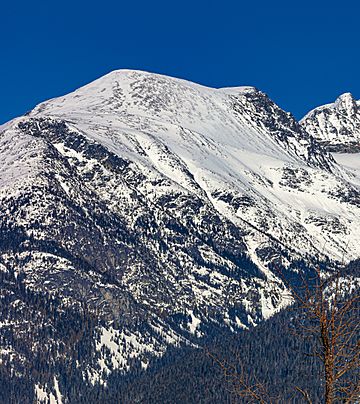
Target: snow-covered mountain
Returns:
[233, 148]
[336, 126]
[163, 208]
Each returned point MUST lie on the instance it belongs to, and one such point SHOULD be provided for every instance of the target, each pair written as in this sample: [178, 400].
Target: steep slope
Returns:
[337, 125]
[233, 147]
[154, 210]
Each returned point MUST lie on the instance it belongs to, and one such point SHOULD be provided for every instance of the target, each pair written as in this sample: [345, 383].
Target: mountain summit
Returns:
[150, 211]
[337, 125]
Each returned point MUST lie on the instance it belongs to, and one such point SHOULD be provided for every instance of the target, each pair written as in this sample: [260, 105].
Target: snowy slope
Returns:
[165, 208]
[336, 125]
[225, 144]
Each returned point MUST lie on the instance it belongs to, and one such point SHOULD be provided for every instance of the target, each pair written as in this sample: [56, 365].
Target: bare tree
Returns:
[242, 384]
[327, 311]
[329, 306]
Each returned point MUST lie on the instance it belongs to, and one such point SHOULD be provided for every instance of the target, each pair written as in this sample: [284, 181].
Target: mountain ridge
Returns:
[161, 210]
[336, 125]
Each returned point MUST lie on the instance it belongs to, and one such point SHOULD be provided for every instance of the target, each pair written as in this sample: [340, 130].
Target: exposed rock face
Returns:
[162, 208]
[336, 126]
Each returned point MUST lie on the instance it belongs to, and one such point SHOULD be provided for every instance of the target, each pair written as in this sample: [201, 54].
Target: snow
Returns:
[57, 391]
[63, 185]
[192, 142]
[43, 396]
[4, 126]
[190, 135]
[194, 323]
[237, 90]
[19, 157]
[122, 345]
[337, 123]
[351, 161]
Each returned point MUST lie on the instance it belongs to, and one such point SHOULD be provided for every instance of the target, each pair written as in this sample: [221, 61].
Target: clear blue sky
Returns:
[302, 53]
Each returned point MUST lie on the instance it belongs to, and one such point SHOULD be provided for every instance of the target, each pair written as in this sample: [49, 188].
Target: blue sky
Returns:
[302, 53]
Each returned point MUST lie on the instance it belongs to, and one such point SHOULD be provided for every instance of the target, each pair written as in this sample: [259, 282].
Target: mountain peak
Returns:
[346, 103]
[143, 212]
[134, 90]
[241, 117]
[336, 125]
